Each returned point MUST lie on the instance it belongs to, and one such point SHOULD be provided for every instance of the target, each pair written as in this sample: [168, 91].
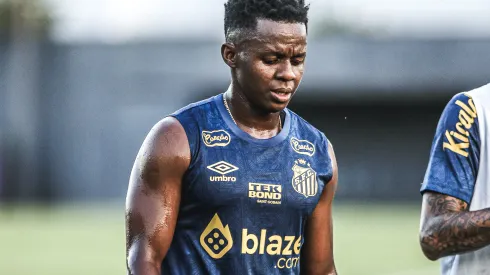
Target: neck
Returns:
[258, 123]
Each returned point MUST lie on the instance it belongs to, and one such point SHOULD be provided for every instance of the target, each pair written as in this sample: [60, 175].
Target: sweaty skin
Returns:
[153, 198]
[266, 70]
[272, 58]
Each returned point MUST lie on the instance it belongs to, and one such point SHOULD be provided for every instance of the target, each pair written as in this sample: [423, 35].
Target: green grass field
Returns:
[76, 240]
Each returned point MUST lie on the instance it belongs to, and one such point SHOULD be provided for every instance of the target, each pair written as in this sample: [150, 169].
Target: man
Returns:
[237, 183]
[455, 222]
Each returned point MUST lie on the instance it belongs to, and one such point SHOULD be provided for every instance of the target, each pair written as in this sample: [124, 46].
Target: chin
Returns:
[277, 107]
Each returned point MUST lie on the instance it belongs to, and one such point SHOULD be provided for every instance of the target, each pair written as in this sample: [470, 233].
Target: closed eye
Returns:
[298, 60]
[270, 60]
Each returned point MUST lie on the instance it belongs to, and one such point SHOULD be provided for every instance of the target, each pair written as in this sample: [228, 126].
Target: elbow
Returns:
[140, 261]
[428, 243]
[139, 266]
[430, 254]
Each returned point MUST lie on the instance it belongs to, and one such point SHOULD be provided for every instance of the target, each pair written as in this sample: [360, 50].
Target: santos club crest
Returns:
[304, 178]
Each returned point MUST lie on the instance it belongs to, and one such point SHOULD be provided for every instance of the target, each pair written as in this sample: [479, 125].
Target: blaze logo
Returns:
[216, 239]
[216, 138]
[304, 178]
[303, 147]
[467, 116]
[289, 246]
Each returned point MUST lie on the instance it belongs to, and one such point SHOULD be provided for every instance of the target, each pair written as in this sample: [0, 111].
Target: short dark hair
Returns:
[243, 14]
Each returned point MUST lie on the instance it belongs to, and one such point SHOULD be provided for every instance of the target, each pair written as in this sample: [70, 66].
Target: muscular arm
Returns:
[317, 251]
[153, 197]
[447, 227]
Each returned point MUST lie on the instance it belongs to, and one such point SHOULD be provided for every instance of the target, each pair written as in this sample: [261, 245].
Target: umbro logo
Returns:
[222, 168]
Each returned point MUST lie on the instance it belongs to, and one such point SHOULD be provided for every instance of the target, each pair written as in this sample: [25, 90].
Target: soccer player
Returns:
[455, 222]
[237, 183]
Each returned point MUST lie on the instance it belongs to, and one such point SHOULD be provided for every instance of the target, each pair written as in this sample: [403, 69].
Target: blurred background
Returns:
[83, 81]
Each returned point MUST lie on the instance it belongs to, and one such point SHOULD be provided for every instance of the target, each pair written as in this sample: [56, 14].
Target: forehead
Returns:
[278, 35]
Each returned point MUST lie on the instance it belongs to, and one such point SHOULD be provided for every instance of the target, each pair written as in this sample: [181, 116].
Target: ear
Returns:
[229, 54]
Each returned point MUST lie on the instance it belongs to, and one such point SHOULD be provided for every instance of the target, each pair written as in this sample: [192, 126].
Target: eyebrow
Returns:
[268, 50]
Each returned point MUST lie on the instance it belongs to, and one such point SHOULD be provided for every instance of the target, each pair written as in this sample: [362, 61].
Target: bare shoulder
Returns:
[328, 193]
[166, 137]
[164, 153]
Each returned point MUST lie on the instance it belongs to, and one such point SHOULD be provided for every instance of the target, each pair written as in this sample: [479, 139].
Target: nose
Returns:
[285, 72]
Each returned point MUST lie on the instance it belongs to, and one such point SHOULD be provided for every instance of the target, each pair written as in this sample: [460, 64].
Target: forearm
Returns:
[319, 271]
[310, 267]
[140, 262]
[144, 268]
[455, 232]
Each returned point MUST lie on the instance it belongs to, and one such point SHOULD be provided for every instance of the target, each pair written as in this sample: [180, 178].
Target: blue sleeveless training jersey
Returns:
[245, 201]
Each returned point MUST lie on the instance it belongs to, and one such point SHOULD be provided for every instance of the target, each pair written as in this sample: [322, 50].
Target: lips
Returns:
[281, 95]
[282, 90]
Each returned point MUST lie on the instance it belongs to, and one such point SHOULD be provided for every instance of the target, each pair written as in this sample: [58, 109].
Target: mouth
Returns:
[281, 95]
